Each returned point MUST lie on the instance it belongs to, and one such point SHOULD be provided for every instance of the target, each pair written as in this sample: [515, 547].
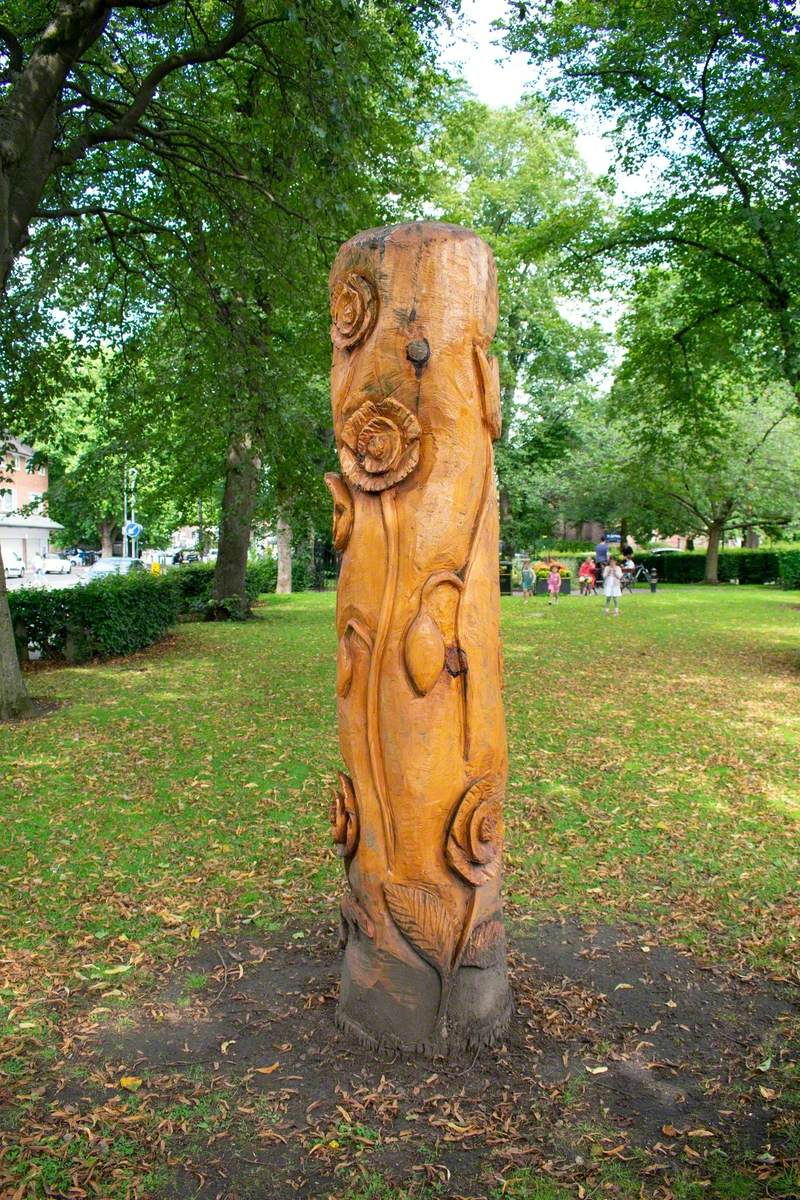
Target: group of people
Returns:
[604, 567]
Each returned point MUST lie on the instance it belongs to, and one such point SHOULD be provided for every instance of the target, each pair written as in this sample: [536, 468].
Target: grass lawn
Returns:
[181, 794]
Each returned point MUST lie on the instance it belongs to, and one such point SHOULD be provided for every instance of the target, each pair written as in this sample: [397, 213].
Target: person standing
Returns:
[601, 553]
[553, 584]
[527, 580]
[612, 585]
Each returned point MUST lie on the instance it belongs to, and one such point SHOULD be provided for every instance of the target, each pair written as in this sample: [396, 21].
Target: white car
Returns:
[53, 564]
[105, 567]
[13, 564]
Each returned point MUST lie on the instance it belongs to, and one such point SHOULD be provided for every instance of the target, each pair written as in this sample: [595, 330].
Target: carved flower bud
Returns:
[354, 308]
[475, 840]
[344, 818]
[380, 444]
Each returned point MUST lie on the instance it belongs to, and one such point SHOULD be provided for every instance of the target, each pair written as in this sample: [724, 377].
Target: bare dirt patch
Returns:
[620, 1052]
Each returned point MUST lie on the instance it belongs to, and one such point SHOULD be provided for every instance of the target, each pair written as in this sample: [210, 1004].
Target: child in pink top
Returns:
[554, 584]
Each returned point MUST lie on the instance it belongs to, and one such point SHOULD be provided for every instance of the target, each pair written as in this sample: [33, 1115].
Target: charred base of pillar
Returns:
[388, 1003]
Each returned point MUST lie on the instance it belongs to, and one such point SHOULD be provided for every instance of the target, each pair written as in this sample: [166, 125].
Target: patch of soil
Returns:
[620, 1051]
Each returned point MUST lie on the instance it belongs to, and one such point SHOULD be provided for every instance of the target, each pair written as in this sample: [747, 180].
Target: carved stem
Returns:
[389, 514]
[446, 978]
[487, 483]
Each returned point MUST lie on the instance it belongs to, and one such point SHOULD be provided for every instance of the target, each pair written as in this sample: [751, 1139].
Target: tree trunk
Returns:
[418, 817]
[505, 521]
[750, 538]
[284, 531]
[242, 477]
[715, 532]
[14, 699]
[106, 539]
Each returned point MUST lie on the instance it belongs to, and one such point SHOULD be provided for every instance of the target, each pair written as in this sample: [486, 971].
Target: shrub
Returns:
[104, 618]
[789, 567]
[262, 575]
[748, 566]
[686, 567]
[302, 574]
[192, 585]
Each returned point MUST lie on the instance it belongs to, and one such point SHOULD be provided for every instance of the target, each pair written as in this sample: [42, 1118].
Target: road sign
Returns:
[132, 529]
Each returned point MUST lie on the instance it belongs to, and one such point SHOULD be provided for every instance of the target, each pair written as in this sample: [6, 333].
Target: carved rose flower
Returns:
[354, 308]
[380, 444]
[344, 818]
[475, 841]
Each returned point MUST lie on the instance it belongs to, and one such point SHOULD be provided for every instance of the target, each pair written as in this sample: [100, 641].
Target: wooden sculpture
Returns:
[418, 820]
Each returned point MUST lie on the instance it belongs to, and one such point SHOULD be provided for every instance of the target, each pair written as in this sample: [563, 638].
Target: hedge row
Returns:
[748, 566]
[194, 582]
[104, 618]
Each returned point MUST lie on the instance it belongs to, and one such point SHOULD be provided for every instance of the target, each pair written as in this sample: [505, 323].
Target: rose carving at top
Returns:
[380, 444]
[354, 308]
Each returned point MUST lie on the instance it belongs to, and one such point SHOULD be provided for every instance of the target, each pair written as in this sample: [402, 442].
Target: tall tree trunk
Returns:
[284, 531]
[106, 539]
[715, 532]
[14, 699]
[750, 538]
[242, 475]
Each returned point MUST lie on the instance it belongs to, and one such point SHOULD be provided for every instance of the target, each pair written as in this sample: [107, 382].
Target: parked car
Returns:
[104, 567]
[56, 564]
[13, 564]
[80, 557]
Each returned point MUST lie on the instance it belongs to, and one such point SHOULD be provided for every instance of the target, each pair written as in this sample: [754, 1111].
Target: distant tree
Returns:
[515, 176]
[704, 98]
[100, 100]
[716, 440]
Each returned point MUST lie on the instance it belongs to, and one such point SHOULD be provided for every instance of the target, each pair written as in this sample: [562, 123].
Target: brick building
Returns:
[24, 524]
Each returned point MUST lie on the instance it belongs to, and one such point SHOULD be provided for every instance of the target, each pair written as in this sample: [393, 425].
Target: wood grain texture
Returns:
[415, 399]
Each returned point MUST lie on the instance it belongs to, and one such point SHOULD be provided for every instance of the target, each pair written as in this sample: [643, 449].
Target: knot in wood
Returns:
[418, 351]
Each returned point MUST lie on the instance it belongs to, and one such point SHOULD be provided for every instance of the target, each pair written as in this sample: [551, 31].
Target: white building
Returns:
[26, 535]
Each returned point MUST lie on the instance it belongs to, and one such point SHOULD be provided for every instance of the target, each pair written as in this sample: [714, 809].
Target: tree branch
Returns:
[16, 57]
[127, 123]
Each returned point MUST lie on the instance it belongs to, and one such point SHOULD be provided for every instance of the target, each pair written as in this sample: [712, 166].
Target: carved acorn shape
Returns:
[424, 652]
[429, 647]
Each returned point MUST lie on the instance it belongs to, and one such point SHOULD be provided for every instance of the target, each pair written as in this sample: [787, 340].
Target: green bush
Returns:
[262, 575]
[789, 567]
[748, 566]
[302, 573]
[686, 567]
[192, 585]
[106, 617]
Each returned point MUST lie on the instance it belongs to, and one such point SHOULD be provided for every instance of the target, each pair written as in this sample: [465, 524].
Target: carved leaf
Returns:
[425, 922]
[344, 666]
[342, 510]
[424, 653]
[489, 374]
[485, 945]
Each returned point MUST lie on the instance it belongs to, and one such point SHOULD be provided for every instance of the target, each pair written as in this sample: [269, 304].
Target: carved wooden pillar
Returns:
[418, 820]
